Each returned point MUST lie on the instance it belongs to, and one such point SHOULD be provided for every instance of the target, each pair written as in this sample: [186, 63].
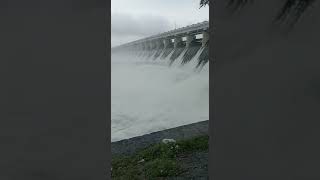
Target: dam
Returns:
[186, 41]
[160, 82]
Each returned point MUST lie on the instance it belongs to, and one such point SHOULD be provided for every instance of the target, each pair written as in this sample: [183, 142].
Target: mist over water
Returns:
[147, 95]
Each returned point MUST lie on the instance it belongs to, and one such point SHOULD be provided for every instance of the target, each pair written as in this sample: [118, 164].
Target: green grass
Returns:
[159, 160]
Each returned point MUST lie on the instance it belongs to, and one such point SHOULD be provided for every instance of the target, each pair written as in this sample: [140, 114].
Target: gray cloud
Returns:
[132, 20]
[125, 26]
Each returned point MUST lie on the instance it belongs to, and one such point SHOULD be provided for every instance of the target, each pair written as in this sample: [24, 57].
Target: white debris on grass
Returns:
[167, 141]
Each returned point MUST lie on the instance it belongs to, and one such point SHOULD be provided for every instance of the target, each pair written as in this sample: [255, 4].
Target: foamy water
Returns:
[148, 95]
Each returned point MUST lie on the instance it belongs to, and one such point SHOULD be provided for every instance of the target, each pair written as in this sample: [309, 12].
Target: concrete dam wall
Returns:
[184, 42]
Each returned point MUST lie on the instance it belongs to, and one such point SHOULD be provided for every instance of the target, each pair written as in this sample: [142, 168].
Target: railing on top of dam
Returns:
[174, 43]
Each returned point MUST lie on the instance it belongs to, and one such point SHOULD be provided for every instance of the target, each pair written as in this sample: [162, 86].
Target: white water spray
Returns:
[147, 95]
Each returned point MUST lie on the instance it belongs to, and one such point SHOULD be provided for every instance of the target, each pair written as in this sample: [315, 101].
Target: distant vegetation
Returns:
[204, 3]
[291, 11]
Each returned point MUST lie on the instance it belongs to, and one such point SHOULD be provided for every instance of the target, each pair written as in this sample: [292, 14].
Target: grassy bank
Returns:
[159, 160]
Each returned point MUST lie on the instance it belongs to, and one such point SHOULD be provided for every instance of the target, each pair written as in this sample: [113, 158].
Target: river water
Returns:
[147, 95]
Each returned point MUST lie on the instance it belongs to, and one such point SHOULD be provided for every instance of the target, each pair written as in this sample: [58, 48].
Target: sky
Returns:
[135, 19]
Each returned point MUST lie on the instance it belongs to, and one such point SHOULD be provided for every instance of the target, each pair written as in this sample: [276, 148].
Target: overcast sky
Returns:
[136, 19]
